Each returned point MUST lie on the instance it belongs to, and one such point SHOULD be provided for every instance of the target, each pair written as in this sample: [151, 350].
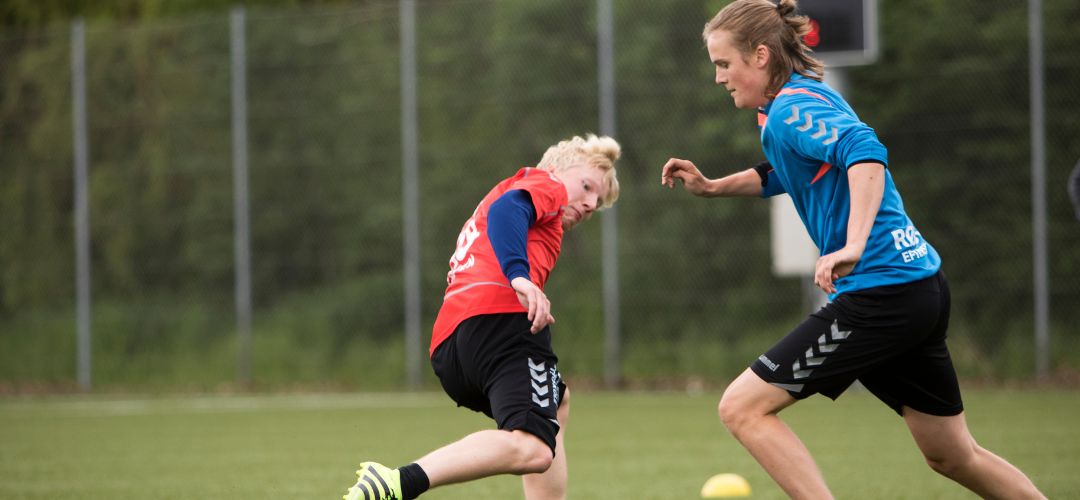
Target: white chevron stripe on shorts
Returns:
[827, 343]
[538, 372]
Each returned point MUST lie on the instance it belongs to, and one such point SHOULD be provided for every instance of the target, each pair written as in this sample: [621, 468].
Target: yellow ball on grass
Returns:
[725, 486]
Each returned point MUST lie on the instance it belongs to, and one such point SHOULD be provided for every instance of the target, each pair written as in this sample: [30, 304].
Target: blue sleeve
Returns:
[509, 219]
[818, 130]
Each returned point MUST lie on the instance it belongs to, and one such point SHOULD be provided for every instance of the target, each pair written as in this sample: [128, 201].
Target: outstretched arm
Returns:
[867, 184]
[745, 183]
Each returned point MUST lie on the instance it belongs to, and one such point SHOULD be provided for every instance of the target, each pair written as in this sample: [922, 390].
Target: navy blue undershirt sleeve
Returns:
[509, 220]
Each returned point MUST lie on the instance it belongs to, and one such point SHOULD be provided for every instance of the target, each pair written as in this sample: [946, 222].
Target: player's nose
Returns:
[591, 202]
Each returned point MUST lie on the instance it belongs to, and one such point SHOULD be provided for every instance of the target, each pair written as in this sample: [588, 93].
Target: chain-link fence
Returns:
[496, 83]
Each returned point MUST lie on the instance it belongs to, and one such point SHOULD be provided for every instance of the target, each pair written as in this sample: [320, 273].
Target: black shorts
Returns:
[890, 338]
[493, 364]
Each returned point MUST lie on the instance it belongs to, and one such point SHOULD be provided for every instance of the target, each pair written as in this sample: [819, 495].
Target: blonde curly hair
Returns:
[593, 151]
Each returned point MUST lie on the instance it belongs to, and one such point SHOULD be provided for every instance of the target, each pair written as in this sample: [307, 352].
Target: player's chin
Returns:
[569, 223]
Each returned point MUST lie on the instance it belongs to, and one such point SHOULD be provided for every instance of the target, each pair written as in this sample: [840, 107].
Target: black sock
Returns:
[414, 481]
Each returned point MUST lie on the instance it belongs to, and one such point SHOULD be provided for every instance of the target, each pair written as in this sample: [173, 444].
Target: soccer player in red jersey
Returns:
[491, 344]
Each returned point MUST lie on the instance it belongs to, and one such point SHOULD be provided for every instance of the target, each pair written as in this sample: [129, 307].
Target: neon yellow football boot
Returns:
[376, 482]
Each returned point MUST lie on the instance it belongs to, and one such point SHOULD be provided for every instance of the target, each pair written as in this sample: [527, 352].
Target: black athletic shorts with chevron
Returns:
[493, 364]
[889, 338]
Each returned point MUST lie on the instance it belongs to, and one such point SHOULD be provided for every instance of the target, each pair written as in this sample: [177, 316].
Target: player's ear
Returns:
[761, 56]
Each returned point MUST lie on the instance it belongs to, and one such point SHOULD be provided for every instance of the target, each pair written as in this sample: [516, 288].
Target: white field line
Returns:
[108, 406]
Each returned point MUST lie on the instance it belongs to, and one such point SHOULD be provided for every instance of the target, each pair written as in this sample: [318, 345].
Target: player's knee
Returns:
[948, 461]
[942, 465]
[532, 454]
[732, 413]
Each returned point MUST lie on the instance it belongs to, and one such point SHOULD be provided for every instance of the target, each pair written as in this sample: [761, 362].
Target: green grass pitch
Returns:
[630, 445]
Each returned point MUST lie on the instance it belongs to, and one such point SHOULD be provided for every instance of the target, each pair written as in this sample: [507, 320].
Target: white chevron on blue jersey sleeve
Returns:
[822, 130]
[794, 115]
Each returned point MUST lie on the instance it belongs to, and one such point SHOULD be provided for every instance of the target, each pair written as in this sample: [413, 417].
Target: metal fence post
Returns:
[410, 192]
[241, 221]
[82, 203]
[1040, 273]
[605, 32]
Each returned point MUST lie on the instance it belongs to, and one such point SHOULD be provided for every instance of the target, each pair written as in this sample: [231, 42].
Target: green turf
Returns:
[621, 445]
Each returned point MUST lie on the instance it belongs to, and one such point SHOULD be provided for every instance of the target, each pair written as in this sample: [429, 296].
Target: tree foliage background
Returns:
[498, 83]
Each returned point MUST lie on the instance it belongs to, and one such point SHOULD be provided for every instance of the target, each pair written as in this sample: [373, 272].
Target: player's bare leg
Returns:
[748, 409]
[551, 485]
[486, 453]
[951, 451]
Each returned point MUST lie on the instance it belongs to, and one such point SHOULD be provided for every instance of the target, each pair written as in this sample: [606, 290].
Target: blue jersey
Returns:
[811, 136]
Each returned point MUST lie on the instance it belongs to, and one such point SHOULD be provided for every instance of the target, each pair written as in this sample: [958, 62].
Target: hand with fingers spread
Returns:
[534, 299]
[693, 180]
[743, 183]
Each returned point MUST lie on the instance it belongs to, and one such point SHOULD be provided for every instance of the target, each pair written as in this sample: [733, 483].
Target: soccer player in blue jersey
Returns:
[886, 322]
